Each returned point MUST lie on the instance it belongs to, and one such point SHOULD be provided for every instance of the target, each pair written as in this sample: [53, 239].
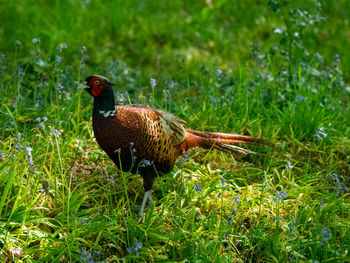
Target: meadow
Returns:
[276, 70]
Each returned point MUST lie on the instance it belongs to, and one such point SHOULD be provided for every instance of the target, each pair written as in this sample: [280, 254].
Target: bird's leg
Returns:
[146, 196]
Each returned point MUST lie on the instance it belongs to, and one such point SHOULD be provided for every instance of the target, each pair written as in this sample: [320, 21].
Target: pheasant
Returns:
[148, 141]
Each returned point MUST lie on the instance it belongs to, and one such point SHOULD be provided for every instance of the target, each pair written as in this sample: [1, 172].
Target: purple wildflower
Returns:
[18, 146]
[40, 126]
[58, 60]
[219, 194]
[322, 203]
[44, 119]
[281, 196]
[38, 119]
[36, 40]
[325, 235]
[10, 122]
[321, 131]
[218, 73]
[299, 98]
[57, 133]
[61, 46]
[153, 82]
[145, 163]
[237, 200]
[292, 226]
[288, 166]
[223, 181]
[135, 248]
[2, 155]
[198, 188]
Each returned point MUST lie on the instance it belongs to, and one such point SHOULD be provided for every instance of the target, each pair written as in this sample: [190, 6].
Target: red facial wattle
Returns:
[97, 85]
[96, 90]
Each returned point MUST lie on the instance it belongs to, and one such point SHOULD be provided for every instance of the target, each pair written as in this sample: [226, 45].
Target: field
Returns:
[276, 70]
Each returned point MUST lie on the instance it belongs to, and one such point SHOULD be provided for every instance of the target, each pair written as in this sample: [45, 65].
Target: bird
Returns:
[147, 141]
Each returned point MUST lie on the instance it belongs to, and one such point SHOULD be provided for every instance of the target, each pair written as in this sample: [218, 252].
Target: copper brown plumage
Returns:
[147, 141]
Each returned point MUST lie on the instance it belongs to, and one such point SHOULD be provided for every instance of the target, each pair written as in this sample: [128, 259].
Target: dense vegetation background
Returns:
[278, 70]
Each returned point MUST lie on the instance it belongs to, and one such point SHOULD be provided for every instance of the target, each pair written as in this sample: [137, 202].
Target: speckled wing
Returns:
[174, 126]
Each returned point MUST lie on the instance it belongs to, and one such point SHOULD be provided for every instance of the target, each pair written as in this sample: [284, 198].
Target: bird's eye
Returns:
[97, 82]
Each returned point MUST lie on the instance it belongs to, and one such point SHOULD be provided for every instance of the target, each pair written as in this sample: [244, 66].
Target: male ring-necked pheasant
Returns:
[148, 141]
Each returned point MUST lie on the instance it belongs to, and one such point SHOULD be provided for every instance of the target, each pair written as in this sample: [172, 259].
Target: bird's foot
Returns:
[146, 197]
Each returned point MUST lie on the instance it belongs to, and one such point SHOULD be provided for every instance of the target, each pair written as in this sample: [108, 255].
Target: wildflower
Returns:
[17, 43]
[145, 163]
[281, 196]
[131, 145]
[64, 122]
[58, 59]
[10, 122]
[219, 194]
[2, 155]
[278, 31]
[320, 131]
[323, 134]
[61, 46]
[153, 82]
[223, 181]
[82, 221]
[299, 98]
[18, 146]
[57, 133]
[322, 203]
[226, 235]
[237, 200]
[44, 119]
[36, 40]
[40, 126]
[318, 136]
[292, 227]
[82, 253]
[198, 188]
[29, 153]
[288, 166]
[134, 248]
[38, 119]
[218, 73]
[33, 171]
[325, 235]
[97, 252]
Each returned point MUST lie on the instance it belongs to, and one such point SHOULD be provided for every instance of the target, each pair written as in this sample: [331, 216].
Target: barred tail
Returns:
[219, 141]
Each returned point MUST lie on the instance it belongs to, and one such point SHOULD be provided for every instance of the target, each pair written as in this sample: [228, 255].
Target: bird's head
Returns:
[96, 84]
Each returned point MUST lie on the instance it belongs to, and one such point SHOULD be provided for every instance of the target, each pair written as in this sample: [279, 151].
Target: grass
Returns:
[283, 78]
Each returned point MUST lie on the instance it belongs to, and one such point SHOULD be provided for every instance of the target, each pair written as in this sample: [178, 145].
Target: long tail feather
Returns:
[219, 141]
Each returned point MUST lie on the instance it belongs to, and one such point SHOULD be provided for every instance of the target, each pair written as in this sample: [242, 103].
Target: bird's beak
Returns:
[82, 85]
